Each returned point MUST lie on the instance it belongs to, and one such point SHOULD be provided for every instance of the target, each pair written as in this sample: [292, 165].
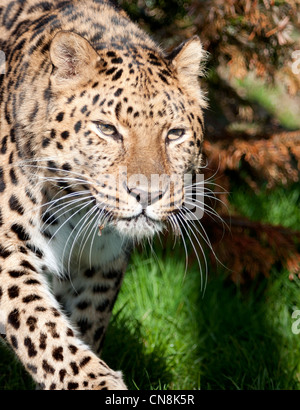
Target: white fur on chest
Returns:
[77, 246]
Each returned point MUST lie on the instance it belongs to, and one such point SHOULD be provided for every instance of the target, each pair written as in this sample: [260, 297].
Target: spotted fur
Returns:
[73, 67]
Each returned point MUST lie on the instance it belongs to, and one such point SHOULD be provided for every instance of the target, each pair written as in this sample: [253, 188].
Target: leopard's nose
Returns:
[145, 198]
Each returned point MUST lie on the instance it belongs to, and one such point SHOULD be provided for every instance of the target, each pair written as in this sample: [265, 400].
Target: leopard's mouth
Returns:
[137, 227]
[141, 216]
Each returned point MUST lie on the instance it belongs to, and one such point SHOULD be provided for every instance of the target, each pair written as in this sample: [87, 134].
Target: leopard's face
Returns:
[128, 133]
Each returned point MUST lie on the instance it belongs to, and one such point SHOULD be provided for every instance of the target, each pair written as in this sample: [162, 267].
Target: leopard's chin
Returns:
[138, 228]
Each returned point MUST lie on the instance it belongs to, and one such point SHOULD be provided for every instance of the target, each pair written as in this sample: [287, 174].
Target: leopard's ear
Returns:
[73, 58]
[188, 60]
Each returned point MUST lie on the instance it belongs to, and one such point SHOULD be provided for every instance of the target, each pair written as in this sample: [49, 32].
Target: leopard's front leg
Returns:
[89, 298]
[41, 335]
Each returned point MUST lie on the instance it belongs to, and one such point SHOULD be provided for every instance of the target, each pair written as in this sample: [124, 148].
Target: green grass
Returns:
[171, 336]
[227, 338]
[167, 334]
[279, 207]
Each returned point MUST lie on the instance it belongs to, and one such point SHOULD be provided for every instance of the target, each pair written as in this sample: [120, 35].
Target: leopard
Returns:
[91, 108]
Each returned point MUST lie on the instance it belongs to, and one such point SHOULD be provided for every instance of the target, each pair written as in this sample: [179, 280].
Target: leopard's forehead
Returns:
[134, 84]
[143, 73]
[143, 64]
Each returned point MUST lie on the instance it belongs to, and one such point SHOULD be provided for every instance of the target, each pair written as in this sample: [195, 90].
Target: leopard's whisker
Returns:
[53, 201]
[210, 211]
[66, 212]
[185, 221]
[191, 224]
[68, 272]
[68, 219]
[204, 236]
[202, 191]
[94, 228]
[193, 195]
[41, 167]
[174, 230]
[85, 238]
[203, 207]
[26, 163]
[177, 224]
[62, 179]
[69, 204]
[84, 219]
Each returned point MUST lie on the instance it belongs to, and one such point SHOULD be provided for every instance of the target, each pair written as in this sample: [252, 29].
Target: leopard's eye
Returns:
[106, 129]
[175, 134]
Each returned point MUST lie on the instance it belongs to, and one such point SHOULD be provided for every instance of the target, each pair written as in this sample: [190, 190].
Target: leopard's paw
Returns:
[113, 381]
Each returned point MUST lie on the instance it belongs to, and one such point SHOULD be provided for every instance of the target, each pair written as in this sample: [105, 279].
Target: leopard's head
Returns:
[125, 124]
